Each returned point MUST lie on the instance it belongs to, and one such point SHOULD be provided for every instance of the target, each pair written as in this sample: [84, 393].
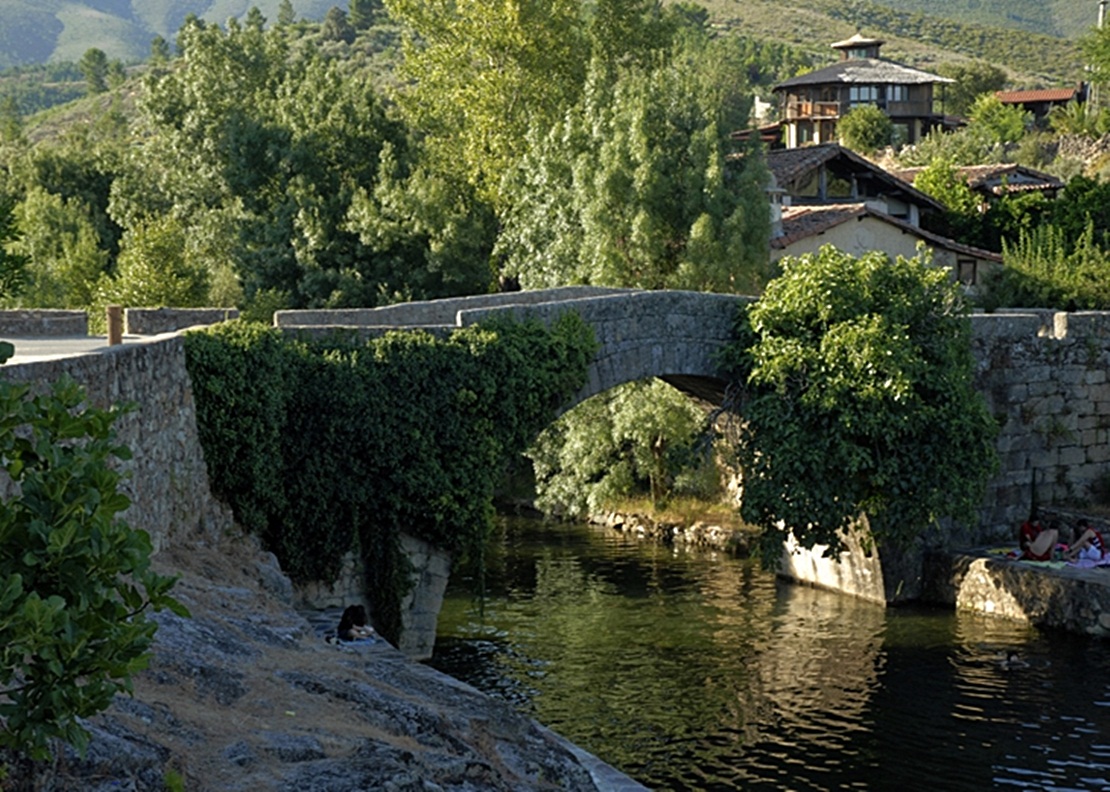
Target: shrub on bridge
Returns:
[323, 446]
[858, 399]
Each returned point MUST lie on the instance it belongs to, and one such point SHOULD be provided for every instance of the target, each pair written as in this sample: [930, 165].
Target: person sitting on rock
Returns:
[1036, 541]
[1088, 544]
[352, 624]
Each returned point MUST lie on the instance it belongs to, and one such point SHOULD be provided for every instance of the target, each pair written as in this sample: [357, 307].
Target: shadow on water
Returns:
[695, 671]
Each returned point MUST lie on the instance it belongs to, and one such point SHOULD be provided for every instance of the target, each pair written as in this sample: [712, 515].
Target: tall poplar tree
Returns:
[479, 74]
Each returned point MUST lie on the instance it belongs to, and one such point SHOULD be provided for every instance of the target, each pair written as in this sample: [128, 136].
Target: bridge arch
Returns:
[673, 335]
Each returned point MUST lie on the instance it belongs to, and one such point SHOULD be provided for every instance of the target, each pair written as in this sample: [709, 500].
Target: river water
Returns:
[697, 671]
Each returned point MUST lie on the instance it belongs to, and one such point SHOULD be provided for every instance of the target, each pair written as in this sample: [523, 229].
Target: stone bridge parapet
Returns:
[1043, 374]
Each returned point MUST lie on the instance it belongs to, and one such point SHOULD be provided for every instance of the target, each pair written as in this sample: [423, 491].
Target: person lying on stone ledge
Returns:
[353, 626]
[1088, 544]
[1035, 540]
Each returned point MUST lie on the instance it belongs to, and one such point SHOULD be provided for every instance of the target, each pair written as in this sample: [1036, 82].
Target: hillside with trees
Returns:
[1034, 42]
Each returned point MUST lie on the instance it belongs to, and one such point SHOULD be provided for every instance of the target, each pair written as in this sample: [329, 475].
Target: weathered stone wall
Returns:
[155, 321]
[1045, 595]
[432, 312]
[167, 480]
[1044, 376]
[43, 322]
[669, 334]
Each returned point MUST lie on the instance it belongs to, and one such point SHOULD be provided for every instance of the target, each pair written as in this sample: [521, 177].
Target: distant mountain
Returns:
[39, 31]
[1033, 39]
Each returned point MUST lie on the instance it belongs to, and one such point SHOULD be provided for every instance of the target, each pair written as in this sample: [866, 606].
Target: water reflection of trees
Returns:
[699, 671]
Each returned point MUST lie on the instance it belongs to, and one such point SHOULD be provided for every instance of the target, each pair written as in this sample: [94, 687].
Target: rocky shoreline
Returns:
[246, 696]
[700, 534]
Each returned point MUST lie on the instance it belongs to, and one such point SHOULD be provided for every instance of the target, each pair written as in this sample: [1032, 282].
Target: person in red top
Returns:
[1088, 544]
[1036, 541]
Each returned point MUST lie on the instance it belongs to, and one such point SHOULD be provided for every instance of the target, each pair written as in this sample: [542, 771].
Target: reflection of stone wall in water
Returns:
[825, 652]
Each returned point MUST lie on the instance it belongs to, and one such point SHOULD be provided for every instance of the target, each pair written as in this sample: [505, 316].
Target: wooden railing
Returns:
[834, 109]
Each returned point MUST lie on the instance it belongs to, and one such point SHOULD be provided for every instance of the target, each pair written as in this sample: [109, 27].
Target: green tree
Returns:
[636, 188]
[999, 123]
[11, 120]
[859, 400]
[116, 75]
[62, 249]
[1096, 51]
[76, 579]
[254, 19]
[478, 75]
[286, 15]
[1044, 268]
[364, 13]
[943, 181]
[12, 264]
[636, 439]
[337, 27]
[94, 67]
[972, 80]
[159, 50]
[155, 269]
[865, 129]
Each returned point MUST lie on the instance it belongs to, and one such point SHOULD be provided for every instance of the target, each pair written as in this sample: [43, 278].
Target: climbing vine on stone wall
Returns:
[321, 446]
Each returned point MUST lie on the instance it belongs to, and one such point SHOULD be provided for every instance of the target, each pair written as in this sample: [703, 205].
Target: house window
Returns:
[863, 94]
[898, 93]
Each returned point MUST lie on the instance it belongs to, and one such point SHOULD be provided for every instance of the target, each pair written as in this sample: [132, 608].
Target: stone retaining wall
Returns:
[1044, 376]
[1068, 598]
[43, 322]
[155, 321]
[167, 480]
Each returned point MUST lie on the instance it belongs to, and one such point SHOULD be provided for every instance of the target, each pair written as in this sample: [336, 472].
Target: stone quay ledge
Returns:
[1051, 594]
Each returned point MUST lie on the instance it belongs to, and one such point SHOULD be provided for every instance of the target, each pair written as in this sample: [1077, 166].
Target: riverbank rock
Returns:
[247, 696]
[737, 541]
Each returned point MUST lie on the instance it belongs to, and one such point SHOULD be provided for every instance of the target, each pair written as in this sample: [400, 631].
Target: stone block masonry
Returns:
[44, 322]
[166, 478]
[1043, 375]
[155, 321]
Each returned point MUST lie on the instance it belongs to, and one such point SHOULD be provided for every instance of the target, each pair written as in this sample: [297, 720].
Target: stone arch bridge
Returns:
[1044, 375]
[672, 335]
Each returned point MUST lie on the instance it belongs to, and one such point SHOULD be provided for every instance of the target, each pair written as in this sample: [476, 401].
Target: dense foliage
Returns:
[634, 187]
[1044, 268]
[75, 578]
[321, 447]
[858, 400]
[865, 129]
[644, 437]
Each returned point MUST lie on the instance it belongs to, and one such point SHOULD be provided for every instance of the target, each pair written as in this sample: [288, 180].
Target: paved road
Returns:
[28, 350]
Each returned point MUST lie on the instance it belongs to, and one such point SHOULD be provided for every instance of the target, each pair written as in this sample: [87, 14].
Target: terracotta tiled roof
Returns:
[787, 164]
[801, 222]
[1049, 95]
[864, 70]
[998, 178]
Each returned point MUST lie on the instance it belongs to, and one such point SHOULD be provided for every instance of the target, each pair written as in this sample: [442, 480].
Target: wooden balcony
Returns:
[802, 109]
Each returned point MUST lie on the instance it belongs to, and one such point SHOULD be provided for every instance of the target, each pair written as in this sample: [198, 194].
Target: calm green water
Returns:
[694, 671]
